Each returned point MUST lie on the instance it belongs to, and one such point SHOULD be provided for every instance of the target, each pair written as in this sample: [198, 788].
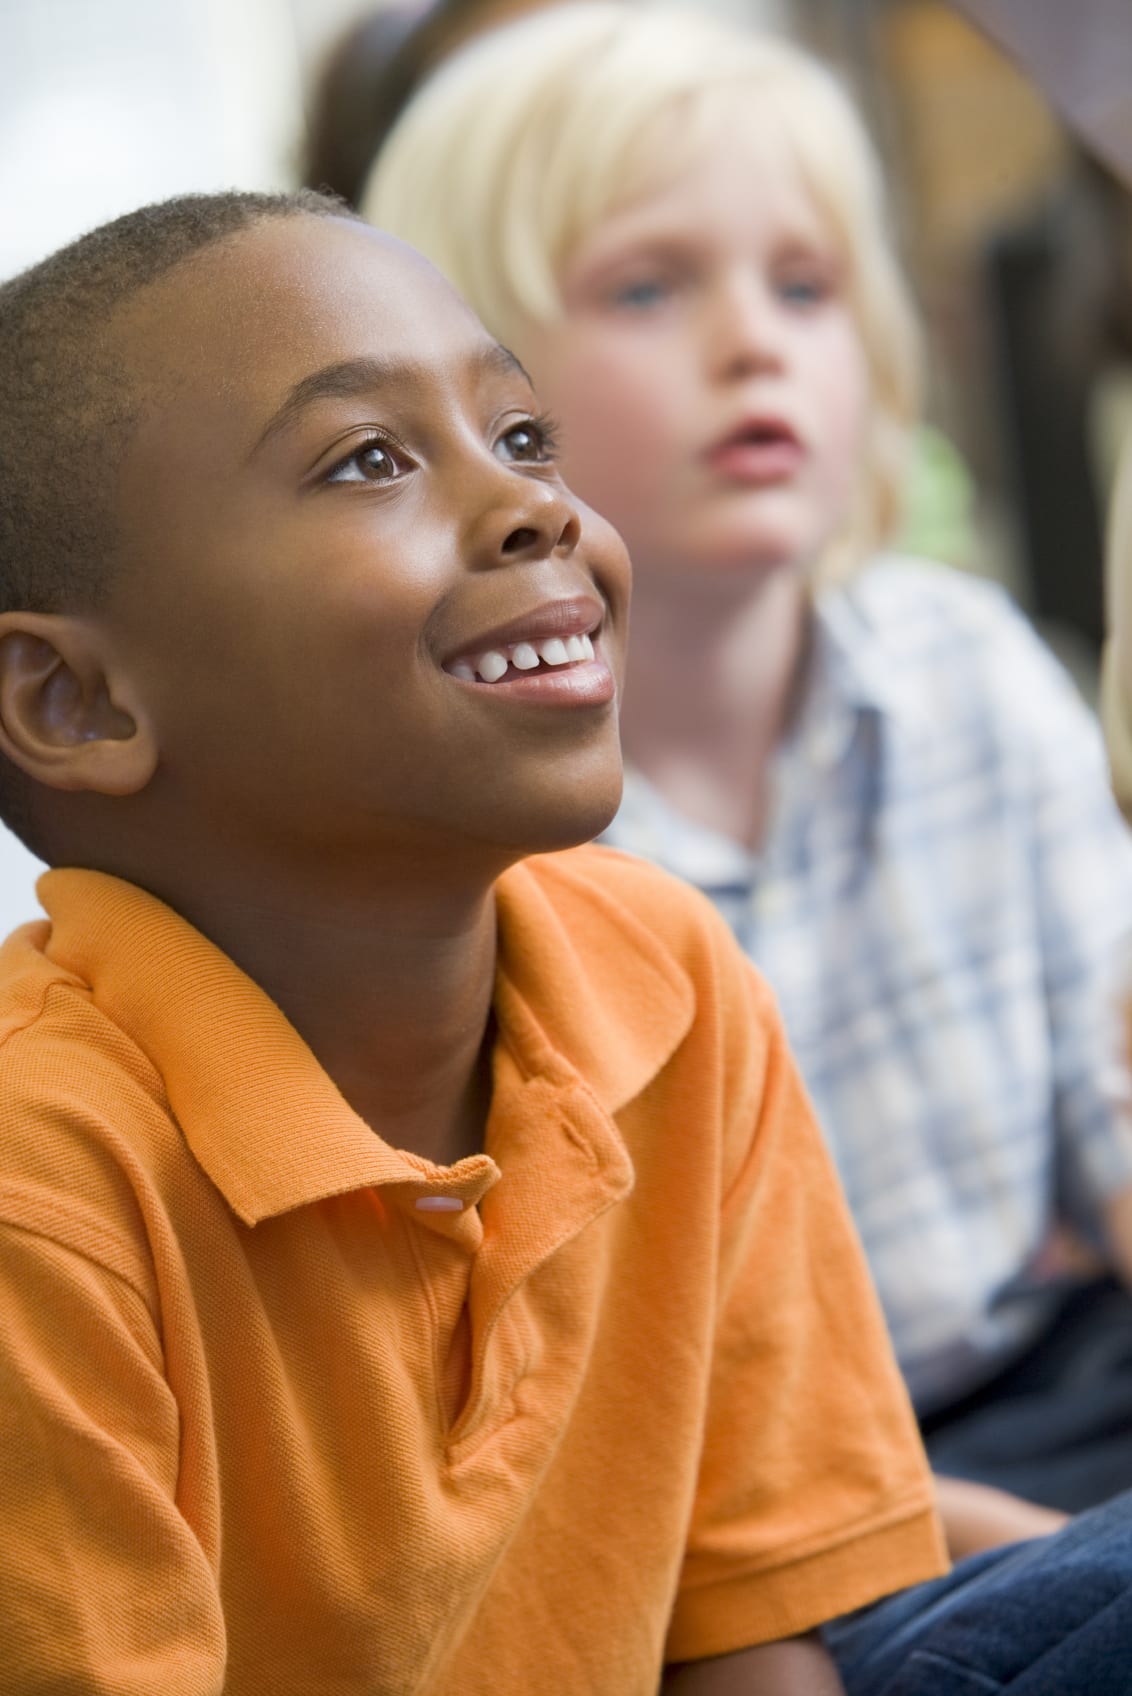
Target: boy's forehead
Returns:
[288, 293]
[733, 167]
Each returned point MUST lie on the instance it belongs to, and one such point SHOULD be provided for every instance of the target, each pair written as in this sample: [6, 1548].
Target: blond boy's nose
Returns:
[745, 334]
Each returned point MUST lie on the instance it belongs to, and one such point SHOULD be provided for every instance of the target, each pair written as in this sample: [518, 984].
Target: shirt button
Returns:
[439, 1204]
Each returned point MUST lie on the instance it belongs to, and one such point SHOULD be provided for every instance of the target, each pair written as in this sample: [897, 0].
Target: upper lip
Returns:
[755, 425]
[575, 615]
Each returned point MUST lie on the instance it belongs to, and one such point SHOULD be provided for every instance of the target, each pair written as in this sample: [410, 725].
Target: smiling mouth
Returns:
[511, 660]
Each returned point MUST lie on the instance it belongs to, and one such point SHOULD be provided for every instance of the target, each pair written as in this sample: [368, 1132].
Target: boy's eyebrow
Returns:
[361, 376]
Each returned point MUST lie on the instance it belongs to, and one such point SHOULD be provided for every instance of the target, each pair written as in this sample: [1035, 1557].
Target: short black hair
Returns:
[67, 409]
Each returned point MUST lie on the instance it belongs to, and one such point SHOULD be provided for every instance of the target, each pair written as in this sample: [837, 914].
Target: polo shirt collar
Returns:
[855, 670]
[604, 995]
[262, 1117]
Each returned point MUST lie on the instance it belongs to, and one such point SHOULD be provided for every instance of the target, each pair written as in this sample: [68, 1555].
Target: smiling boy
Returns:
[419, 1267]
[418, 1264]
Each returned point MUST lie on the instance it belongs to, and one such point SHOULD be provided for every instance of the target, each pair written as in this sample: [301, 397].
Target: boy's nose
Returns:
[523, 518]
[745, 330]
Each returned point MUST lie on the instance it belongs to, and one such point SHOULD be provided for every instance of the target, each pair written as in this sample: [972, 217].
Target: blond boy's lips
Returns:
[760, 448]
[547, 655]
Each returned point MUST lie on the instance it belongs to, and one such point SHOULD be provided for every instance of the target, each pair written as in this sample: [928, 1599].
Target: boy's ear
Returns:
[68, 715]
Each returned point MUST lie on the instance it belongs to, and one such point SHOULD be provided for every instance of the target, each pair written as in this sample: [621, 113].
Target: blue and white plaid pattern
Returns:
[939, 905]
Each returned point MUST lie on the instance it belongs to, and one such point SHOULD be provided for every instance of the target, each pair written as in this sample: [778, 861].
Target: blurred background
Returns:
[1016, 229]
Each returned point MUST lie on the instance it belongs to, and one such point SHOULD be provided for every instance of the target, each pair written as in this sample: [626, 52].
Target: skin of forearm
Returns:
[797, 1666]
[977, 1516]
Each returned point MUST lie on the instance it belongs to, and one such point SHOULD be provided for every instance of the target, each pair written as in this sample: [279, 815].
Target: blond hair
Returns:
[525, 140]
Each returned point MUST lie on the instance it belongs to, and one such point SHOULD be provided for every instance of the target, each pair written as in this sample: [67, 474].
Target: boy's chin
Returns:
[753, 545]
[760, 555]
[576, 823]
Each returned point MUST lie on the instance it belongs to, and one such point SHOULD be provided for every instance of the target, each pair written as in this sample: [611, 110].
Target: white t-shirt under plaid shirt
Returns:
[939, 905]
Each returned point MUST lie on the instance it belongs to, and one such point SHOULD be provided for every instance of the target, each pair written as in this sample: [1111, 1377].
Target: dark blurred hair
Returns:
[1090, 242]
[367, 78]
[371, 75]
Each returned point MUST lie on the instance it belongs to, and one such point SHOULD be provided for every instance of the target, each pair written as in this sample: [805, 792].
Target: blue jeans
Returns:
[1047, 1618]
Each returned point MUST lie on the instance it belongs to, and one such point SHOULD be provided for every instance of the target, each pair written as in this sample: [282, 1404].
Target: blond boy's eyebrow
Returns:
[351, 377]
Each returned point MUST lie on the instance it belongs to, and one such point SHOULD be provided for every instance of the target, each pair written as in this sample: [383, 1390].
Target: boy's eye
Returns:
[805, 289]
[641, 293]
[531, 442]
[373, 461]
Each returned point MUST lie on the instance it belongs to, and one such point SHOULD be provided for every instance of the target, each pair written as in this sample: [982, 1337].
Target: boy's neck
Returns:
[712, 684]
[392, 995]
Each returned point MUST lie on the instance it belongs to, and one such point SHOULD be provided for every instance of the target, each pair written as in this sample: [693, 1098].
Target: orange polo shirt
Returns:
[239, 1449]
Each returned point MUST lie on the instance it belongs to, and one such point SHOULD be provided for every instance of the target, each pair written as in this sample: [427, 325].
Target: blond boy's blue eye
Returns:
[803, 291]
[647, 291]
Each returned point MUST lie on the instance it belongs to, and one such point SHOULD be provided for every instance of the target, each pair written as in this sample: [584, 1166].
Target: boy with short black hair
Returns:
[375, 1216]
[420, 1270]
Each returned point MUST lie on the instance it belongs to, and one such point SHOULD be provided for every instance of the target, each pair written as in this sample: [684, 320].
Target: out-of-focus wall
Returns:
[18, 872]
[105, 104]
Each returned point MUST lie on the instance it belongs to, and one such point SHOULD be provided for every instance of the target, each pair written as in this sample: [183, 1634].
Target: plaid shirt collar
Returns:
[853, 673]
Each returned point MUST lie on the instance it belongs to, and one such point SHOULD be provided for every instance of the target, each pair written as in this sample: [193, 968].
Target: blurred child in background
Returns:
[879, 775]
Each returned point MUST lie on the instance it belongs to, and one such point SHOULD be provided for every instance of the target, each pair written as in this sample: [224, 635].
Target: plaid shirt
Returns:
[938, 904]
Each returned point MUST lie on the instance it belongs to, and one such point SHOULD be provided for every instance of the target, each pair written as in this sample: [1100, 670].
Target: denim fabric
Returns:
[1047, 1618]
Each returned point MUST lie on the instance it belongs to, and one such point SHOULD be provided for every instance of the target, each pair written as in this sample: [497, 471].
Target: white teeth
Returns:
[494, 663]
[491, 666]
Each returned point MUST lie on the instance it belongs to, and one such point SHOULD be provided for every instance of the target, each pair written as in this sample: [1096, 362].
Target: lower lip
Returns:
[757, 463]
[587, 684]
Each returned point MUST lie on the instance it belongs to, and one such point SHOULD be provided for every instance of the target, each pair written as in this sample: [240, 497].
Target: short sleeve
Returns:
[814, 1496]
